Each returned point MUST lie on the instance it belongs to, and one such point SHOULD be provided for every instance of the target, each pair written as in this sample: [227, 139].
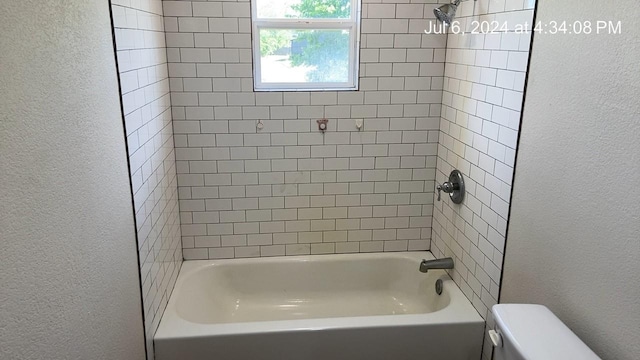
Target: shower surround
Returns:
[142, 65]
[287, 189]
[481, 105]
[429, 102]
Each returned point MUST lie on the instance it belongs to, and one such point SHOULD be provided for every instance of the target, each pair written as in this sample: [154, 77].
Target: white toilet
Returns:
[533, 332]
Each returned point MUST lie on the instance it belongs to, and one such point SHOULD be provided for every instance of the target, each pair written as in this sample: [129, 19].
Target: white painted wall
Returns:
[574, 237]
[68, 269]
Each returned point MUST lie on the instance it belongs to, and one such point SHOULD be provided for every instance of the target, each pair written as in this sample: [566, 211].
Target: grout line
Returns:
[117, 68]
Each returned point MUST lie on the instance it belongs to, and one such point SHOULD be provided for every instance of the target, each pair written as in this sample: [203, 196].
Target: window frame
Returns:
[352, 24]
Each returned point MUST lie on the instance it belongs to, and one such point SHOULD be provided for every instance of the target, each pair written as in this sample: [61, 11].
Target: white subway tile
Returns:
[192, 24]
[206, 9]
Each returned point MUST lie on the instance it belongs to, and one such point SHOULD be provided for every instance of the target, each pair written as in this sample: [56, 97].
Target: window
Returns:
[305, 44]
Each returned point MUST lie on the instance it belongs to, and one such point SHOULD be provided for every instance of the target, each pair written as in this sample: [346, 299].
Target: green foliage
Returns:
[272, 40]
[323, 9]
[327, 51]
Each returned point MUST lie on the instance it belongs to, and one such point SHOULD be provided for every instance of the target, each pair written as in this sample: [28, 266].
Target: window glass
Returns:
[300, 56]
[305, 44]
[303, 9]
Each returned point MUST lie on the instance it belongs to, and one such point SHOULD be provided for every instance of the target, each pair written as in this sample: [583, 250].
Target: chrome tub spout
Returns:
[444, 263]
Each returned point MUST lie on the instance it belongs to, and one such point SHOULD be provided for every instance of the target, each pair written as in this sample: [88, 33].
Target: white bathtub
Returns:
[359, 306]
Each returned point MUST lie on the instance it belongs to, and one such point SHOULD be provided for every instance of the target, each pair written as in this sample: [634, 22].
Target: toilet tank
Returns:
[533, 332]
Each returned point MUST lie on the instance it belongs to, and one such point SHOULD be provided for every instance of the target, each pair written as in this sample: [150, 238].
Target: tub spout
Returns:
[445, 263]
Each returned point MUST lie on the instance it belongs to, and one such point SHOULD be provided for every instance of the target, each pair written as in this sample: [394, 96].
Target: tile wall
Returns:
[141, 55]
[482, 101]
[288, 189]
[429, 103]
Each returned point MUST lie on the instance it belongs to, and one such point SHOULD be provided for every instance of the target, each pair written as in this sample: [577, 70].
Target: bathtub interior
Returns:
[300, 288]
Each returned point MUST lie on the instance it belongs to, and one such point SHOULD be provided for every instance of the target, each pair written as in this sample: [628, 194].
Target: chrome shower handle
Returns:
[454, 187]
[447, 187]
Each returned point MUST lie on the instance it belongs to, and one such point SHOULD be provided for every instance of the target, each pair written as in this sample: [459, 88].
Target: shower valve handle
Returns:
[447, 187]
[454, 187]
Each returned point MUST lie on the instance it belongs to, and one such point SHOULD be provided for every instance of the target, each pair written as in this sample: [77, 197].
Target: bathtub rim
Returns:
[172, 326]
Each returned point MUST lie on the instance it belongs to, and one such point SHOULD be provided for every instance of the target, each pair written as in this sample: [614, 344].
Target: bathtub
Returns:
[321, 307]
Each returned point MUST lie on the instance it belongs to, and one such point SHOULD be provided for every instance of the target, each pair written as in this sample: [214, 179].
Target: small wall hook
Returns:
[322, 124]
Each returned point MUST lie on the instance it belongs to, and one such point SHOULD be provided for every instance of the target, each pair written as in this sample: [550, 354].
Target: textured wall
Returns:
[287, 189]
[68, 266]
[142, 61]
[574, 235]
